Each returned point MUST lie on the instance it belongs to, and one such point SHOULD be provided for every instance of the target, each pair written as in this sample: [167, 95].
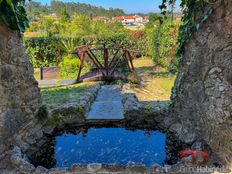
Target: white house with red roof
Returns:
[128, 19]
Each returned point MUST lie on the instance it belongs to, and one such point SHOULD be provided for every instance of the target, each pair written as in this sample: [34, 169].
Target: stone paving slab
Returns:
[107, 110]
[64, 82]
[109, 93]
[47, 82]
[108, 104]
[67, 82]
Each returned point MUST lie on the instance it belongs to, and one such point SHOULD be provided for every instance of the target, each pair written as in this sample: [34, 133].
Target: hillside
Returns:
[35, 9]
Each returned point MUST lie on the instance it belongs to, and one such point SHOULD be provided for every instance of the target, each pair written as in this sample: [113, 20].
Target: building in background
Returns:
[102, 18]
[128, 19]
[145, 19]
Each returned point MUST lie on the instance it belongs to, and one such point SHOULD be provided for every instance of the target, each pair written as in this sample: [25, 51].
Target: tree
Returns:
[153, 17]
[49, 25]
[81, 25]
[64, 16]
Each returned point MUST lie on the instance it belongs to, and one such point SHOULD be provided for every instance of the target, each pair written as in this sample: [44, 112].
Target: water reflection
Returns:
[110, 145]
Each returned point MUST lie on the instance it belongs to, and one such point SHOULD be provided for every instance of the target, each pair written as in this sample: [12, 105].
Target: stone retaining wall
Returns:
[203, 89]
[20, 95]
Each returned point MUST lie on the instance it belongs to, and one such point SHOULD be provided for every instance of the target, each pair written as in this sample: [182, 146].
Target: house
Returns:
[128, 19]
[145, 19]
[138, 19]
[102, 18]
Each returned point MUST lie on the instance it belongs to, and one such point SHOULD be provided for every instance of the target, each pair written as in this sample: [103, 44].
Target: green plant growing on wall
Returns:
[13, 14]
[42, 113]
[80, 108]
[148, 109]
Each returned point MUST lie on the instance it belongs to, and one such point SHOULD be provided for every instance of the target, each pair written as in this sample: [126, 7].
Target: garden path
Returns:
[108, 104]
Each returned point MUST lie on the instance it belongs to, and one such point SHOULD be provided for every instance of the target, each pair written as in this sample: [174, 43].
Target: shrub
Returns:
[42, 51]
[69, 66]
[46, 51]
[162, 44]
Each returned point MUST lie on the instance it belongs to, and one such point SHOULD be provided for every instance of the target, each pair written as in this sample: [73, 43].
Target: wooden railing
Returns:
[111, 59]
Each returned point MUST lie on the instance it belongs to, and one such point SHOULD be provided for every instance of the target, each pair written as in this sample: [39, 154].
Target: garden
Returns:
[162, 101]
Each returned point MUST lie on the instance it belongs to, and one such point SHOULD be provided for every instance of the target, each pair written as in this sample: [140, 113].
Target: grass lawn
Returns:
[157, 83]
[60, 95]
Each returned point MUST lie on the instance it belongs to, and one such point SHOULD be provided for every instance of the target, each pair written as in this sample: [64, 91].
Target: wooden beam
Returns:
[106, 61]
[115, 66]
[81, 64]
[95, 58]
[112, 61]
[96, 62]
[131, 60]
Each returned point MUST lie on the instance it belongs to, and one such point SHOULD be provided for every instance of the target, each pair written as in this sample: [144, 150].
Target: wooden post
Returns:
[41, 73]
[112, 61]
[81, 63]
[106, 60]
[131, 60]
[126, 59]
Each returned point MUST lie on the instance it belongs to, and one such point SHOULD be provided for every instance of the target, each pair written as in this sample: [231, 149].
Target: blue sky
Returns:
[129, 6]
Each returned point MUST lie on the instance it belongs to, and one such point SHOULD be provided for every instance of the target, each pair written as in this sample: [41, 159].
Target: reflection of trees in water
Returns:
[45, 155]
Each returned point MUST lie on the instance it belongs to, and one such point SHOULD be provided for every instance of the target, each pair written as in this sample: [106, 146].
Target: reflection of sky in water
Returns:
[111, 145]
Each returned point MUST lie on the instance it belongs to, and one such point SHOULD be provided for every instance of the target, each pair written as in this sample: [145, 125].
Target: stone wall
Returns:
[20, 96]
[202, 97]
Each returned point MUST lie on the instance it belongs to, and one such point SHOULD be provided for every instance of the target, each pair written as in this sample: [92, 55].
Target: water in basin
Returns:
[110, 146]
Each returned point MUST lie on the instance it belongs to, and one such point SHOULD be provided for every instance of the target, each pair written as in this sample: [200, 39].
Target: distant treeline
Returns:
[35, 9]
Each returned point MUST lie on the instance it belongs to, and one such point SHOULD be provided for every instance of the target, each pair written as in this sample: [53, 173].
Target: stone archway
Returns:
[202, 96]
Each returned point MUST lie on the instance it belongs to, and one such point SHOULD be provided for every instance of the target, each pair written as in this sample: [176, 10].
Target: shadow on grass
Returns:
[161, 74]
[146, 68]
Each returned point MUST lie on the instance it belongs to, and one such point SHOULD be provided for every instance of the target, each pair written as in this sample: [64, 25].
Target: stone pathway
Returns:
[47, 83]
[108, 105]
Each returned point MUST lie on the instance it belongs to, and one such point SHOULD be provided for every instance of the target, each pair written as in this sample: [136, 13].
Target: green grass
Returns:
[158, 82]
[60, 95]
[167, 83]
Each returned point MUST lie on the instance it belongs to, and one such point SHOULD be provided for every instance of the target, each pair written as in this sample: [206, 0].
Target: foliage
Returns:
[42, 51]
[84, 9]
[13, 14]
[64, 16]
[67, 45]
[69, 67]
[195, 13]
[49, 26]
[35, 9]
[162, 43]
[153, 17]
